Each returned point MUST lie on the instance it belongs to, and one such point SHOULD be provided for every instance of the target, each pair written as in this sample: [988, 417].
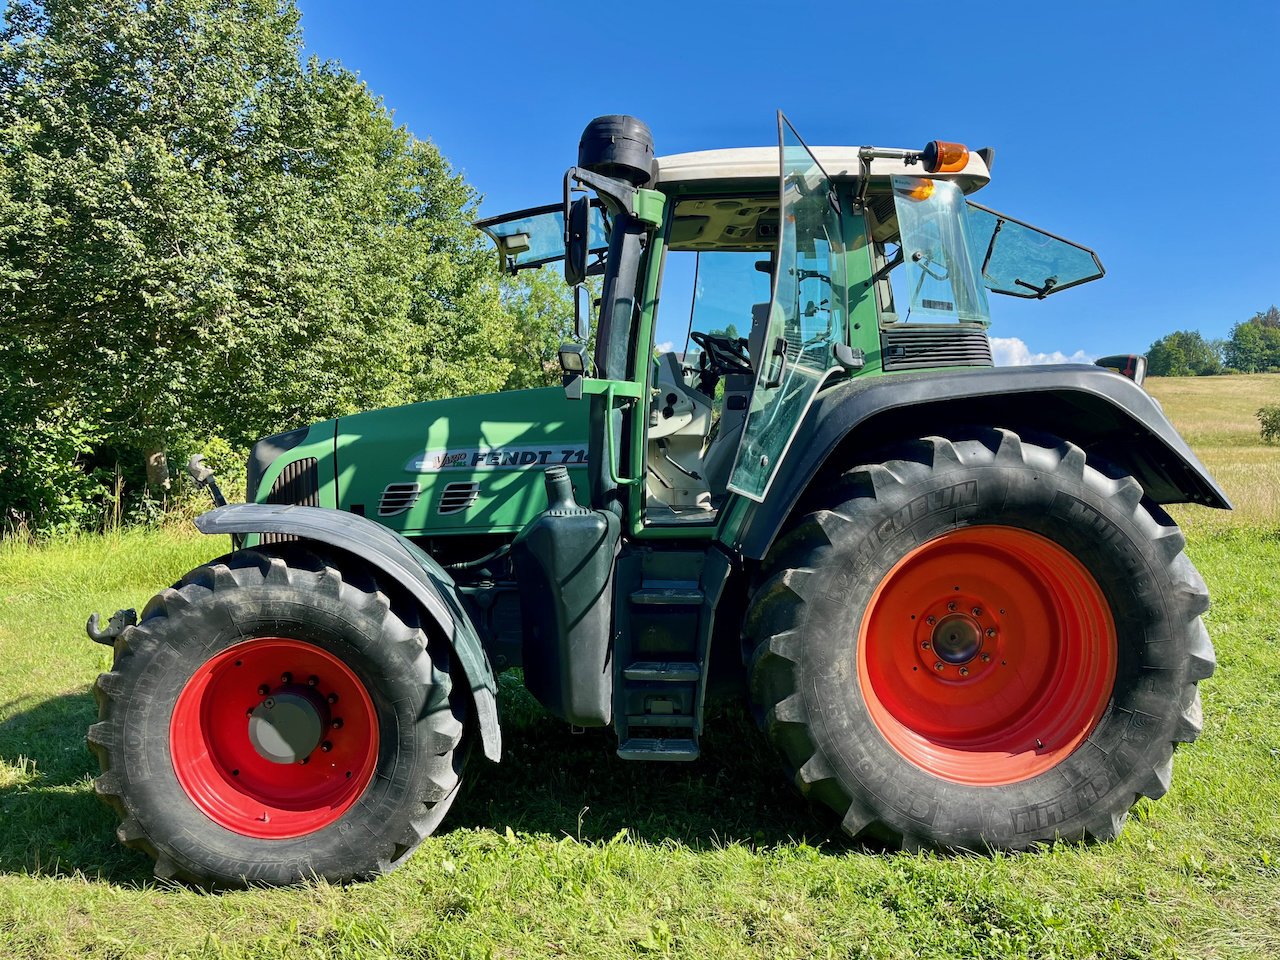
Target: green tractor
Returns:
[948, 591]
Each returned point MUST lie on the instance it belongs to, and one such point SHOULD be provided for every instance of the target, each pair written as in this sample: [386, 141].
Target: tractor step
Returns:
[660, 670]
[667, 597]
[647, 748]
[659, 720]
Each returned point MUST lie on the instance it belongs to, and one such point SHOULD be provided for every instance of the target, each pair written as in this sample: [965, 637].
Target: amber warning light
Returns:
[940, 156]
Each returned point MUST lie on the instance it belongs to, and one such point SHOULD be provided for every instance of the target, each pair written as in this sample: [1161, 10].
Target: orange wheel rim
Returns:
[987, 655]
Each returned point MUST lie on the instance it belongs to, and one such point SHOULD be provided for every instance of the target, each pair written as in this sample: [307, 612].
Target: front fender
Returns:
[1106, 414]
[395, 556]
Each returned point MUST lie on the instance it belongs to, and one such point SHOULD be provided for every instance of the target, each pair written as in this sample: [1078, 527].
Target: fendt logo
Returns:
[495, 458]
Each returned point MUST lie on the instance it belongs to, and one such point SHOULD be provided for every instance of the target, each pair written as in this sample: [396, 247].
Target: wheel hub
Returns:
[957, 638]
[287, 727]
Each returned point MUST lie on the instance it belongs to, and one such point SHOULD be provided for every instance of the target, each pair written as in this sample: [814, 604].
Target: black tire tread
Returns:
[282, 565]
[779, 599]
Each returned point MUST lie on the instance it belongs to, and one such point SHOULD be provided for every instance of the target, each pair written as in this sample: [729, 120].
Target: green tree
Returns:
[1184, 353]
[201, 236]
[1254, 345]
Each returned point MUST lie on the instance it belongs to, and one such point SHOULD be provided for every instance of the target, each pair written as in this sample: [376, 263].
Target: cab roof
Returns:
[704, 168]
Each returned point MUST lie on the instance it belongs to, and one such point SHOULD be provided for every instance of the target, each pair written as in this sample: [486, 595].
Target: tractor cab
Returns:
[735, 285]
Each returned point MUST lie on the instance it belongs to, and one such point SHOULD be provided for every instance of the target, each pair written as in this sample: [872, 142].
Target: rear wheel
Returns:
[273, 719]
[980, 641]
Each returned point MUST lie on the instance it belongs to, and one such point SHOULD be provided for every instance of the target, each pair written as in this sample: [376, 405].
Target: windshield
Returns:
[1023, 261]
[530, 238]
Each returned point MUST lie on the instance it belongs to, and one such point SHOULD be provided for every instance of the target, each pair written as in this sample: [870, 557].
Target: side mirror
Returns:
[577, 241]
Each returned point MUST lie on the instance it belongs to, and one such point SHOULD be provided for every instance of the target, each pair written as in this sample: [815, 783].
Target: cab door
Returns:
[807, 316]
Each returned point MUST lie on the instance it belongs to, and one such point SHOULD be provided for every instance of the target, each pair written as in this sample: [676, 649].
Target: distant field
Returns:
[563, 850]
[1216, 415]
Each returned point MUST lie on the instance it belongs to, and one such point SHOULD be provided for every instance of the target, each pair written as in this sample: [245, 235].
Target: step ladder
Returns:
[660, 688]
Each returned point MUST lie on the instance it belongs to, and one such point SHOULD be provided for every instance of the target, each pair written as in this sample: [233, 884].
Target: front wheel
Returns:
[275, 718]
[980, 642]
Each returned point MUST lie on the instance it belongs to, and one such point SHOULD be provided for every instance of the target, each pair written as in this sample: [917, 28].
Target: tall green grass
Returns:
[562, 850]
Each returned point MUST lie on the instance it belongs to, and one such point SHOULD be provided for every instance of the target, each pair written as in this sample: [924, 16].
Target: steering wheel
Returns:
[724, 354]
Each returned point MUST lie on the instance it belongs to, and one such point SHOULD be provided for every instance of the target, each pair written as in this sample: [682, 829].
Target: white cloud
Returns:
[666, 346]
[1012, 352]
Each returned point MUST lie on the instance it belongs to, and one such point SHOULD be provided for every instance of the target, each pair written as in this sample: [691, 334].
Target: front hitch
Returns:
[116, 625]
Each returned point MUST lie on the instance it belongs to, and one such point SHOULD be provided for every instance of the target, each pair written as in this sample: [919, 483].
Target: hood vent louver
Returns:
[398, 498]
[457, 497]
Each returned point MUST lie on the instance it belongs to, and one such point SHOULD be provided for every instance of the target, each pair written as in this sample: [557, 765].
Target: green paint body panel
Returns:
[500, 442]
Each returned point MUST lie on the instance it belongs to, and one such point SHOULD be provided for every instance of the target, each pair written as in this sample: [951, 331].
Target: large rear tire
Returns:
[274, 718]
[980, 642]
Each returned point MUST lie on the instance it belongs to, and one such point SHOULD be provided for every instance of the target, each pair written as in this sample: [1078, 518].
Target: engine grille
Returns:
[397, 498]
[457, 497]
[298, 485]
[914, 346]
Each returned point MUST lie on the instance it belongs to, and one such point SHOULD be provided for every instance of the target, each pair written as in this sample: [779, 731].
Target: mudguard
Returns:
[1106, 414]
[398, 558]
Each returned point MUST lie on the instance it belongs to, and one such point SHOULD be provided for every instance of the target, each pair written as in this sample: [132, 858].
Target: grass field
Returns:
[563, 850]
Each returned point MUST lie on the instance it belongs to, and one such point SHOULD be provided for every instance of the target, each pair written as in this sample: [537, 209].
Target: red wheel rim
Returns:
[223, 723]
[987, 655]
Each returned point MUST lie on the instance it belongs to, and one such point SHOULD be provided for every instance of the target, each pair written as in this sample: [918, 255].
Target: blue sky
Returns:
[1147, 131]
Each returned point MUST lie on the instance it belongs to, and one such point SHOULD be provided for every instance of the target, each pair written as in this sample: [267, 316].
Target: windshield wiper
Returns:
[1040, 292]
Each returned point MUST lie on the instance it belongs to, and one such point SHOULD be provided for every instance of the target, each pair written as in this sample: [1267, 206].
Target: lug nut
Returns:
[991, 631]
[249, 712]
[986, 658]
[312, 681]
[938, 665]
[263, 690]
[952, 606]
[286, 678]
[977, 611]
[931, 620]
[332, 698]
[964, 671]
[924, 644]
[326, 746]
[304, 761]
[337, 723]
[269, 703]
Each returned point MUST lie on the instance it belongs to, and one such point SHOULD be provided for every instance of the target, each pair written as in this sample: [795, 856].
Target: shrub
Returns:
[1269, 417]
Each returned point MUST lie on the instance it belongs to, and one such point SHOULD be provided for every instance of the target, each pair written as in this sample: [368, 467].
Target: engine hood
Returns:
[462, 465]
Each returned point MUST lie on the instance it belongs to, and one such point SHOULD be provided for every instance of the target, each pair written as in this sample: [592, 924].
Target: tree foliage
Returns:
[202, 236]
[1254, 345]
[1184, 353]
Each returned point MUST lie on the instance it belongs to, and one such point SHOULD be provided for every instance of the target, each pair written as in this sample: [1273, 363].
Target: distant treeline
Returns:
[205, 238]
[1253, 347]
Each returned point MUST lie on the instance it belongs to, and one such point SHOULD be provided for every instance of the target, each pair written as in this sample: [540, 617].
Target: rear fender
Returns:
[1109, 416]
[395, 556]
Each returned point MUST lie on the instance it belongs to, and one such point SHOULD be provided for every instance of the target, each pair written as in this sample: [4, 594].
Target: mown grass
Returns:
[563, 850]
